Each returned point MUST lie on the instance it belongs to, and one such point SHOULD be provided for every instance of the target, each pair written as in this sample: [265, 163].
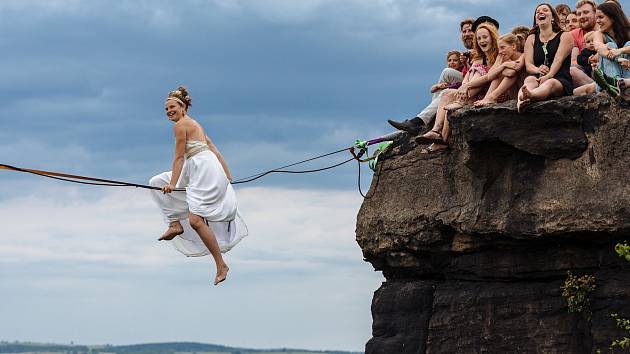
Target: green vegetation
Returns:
[577, 291]
[623, 323]
[623, 250]
[152, 348]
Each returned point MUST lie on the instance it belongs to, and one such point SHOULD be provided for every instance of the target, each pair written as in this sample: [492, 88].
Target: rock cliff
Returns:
[475, 242]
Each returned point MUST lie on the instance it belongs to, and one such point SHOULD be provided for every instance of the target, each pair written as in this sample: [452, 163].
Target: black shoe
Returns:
[413, 125]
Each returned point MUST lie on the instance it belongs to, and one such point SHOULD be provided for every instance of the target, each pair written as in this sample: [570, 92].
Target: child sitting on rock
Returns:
[453, 61]
[586, 53]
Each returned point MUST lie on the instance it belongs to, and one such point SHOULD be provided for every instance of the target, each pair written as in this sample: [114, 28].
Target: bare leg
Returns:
[174, 229]
[494, 84]
[446, 130]
[549, 88]
[474, 90]
[447, 97]
[505, 86]
[489, 97]
[445, 124]
[524, 93]
[505, 83]
[579, 77]
[584, 89]
[208, 238]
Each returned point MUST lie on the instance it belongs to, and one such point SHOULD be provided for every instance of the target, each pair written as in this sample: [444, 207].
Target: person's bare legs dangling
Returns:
[207, 236]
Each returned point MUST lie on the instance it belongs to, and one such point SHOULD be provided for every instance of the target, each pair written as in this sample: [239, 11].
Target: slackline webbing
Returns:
[361, 145]
[113, 183]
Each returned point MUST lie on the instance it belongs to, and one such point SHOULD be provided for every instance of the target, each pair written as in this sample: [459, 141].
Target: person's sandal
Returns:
[428, 140]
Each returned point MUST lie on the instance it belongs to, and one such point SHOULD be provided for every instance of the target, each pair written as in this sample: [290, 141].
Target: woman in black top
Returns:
[547, 59]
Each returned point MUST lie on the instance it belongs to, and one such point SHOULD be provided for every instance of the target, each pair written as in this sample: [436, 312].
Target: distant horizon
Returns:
[167, 343]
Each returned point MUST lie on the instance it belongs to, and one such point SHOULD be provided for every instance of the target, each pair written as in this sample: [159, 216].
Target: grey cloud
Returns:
[93, 74]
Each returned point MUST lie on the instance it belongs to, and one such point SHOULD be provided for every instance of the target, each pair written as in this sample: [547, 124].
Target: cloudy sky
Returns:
[272, 81]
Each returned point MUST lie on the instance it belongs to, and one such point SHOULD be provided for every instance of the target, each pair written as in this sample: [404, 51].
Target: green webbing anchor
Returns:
[382, 147]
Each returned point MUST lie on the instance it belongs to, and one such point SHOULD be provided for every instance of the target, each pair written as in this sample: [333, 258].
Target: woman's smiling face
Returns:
[506, 50]
[453, 61]
[604, 22]
[572, 22]
[543, 14]
[483, 39]
[174, 110]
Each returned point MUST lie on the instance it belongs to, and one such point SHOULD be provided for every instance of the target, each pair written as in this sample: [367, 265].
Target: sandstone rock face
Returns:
[475, 242]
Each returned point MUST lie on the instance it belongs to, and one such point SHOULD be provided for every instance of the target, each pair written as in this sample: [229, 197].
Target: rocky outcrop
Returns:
[475, 242]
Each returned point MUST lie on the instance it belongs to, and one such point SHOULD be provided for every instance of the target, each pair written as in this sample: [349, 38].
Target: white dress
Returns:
[209, 194]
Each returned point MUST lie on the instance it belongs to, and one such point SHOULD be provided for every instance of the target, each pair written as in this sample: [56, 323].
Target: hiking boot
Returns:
[413, 125]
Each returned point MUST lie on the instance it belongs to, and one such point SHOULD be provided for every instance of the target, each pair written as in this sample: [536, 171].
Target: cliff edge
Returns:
[475, 242]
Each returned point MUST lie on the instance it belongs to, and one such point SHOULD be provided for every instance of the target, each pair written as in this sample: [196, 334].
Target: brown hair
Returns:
[615, 1]
[585, 2]
[468, 21]
[522, 30]
[514, 39]
[561, 8]
[453, 52]
[555, 22]
[589, 36]
[494, 50]
[181, 95]
[620, 24]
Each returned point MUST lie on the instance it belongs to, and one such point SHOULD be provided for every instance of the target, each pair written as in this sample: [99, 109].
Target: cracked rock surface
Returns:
[475, 242]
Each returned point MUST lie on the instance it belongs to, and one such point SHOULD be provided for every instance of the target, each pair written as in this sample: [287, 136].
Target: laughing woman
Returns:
[209, 202]
[507, 74]
[547, 59]
[474, 86]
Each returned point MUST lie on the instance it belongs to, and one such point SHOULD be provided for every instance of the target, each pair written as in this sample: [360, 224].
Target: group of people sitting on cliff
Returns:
[565, 53]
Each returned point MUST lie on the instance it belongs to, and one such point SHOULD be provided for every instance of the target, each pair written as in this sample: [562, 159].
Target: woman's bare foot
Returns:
[174, 229]
[222, 271]
[523, 100]
[484, 102]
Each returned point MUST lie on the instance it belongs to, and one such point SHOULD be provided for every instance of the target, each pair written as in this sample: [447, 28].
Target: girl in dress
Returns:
[547, 59]
[209, 202]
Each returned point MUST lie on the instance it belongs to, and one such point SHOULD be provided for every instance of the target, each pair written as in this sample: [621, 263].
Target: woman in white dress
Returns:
[209, 202]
